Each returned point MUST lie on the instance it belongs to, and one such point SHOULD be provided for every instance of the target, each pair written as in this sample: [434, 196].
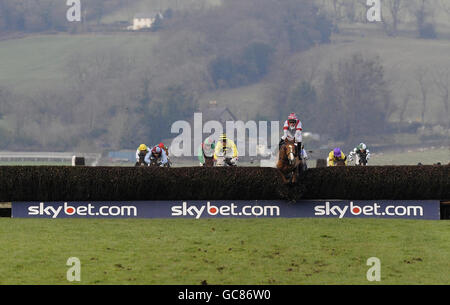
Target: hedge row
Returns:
[47, 183]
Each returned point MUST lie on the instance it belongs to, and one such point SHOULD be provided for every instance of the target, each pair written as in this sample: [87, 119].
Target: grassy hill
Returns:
[40, 61]
[401, 56]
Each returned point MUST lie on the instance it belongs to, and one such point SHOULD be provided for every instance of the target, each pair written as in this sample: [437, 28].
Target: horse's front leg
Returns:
[282, 171]
[294, 176]
[296, 170]
[283, 176]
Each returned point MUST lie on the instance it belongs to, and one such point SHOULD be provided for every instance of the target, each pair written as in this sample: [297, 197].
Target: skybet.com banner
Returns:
[411, 209]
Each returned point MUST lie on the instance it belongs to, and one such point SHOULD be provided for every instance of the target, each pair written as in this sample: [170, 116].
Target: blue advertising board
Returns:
[410, 209]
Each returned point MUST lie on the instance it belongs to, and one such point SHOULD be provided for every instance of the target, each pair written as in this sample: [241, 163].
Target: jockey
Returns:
[226, 148]
[206, 149]
[334, 156]
[143, 150]
[166, 149]
[292, 130]
[360, 152]
[159, 155]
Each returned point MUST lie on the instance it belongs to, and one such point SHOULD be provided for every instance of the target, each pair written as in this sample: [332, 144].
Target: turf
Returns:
[412, 157]
[228, 251]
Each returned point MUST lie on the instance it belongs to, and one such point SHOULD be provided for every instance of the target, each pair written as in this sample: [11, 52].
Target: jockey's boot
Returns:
[298, 150]
[280, 144]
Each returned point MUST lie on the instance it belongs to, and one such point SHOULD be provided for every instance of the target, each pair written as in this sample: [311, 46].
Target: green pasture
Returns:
[224, 251]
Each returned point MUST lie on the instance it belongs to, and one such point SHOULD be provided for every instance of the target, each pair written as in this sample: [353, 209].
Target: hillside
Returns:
[124, 78]
[40, 61]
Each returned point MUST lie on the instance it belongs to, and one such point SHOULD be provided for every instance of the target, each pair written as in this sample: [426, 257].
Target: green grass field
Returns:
[227, 251]
[40, 61]
[425, 156]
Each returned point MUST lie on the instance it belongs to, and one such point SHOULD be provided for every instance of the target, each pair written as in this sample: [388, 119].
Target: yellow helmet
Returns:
[142, 147]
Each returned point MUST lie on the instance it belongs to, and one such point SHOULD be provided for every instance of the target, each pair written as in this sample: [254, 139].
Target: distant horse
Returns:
[156, 162]
[362, 160]
[288, 163]
[341, 162]
[209, 162]
[141, 161]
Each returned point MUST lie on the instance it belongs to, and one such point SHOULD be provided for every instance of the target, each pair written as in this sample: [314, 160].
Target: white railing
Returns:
[92, 158]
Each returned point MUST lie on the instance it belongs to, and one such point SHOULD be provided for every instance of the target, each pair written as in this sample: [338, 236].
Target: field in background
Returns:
[38, 62]
[426, 156]
[41, 61]
[230, 251]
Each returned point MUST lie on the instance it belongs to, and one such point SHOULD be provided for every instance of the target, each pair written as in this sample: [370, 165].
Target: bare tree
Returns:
[359, 97]
[5, 97]
[422, 10]
[337, 9]
[394, 7]
[421, 76]
[445, 5]
[404, 106]
[350, 11]
[441, 79]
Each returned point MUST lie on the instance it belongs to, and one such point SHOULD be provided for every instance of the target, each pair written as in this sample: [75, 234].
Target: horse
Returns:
[141, 161]
[155, 162]
[209, 162]
[223, 161]
[341, 162]
[288, 163]
[362, 160]
[338, 162]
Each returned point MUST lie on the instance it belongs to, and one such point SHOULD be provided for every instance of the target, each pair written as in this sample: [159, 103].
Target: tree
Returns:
[358, 98]
[421, 75]
[304, 98]
[394, 8]
[5, 98]
[421, 11]
[441, 79]
[404, 106]
[246, 67]
[445, 5]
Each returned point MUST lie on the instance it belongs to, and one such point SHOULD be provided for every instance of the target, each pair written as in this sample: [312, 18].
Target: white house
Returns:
[144, 21]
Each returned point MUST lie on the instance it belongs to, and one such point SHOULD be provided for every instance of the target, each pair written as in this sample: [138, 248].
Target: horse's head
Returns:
[209, 162]
[142, 155]
[363, 159]
[289, 151]
[341, 162]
